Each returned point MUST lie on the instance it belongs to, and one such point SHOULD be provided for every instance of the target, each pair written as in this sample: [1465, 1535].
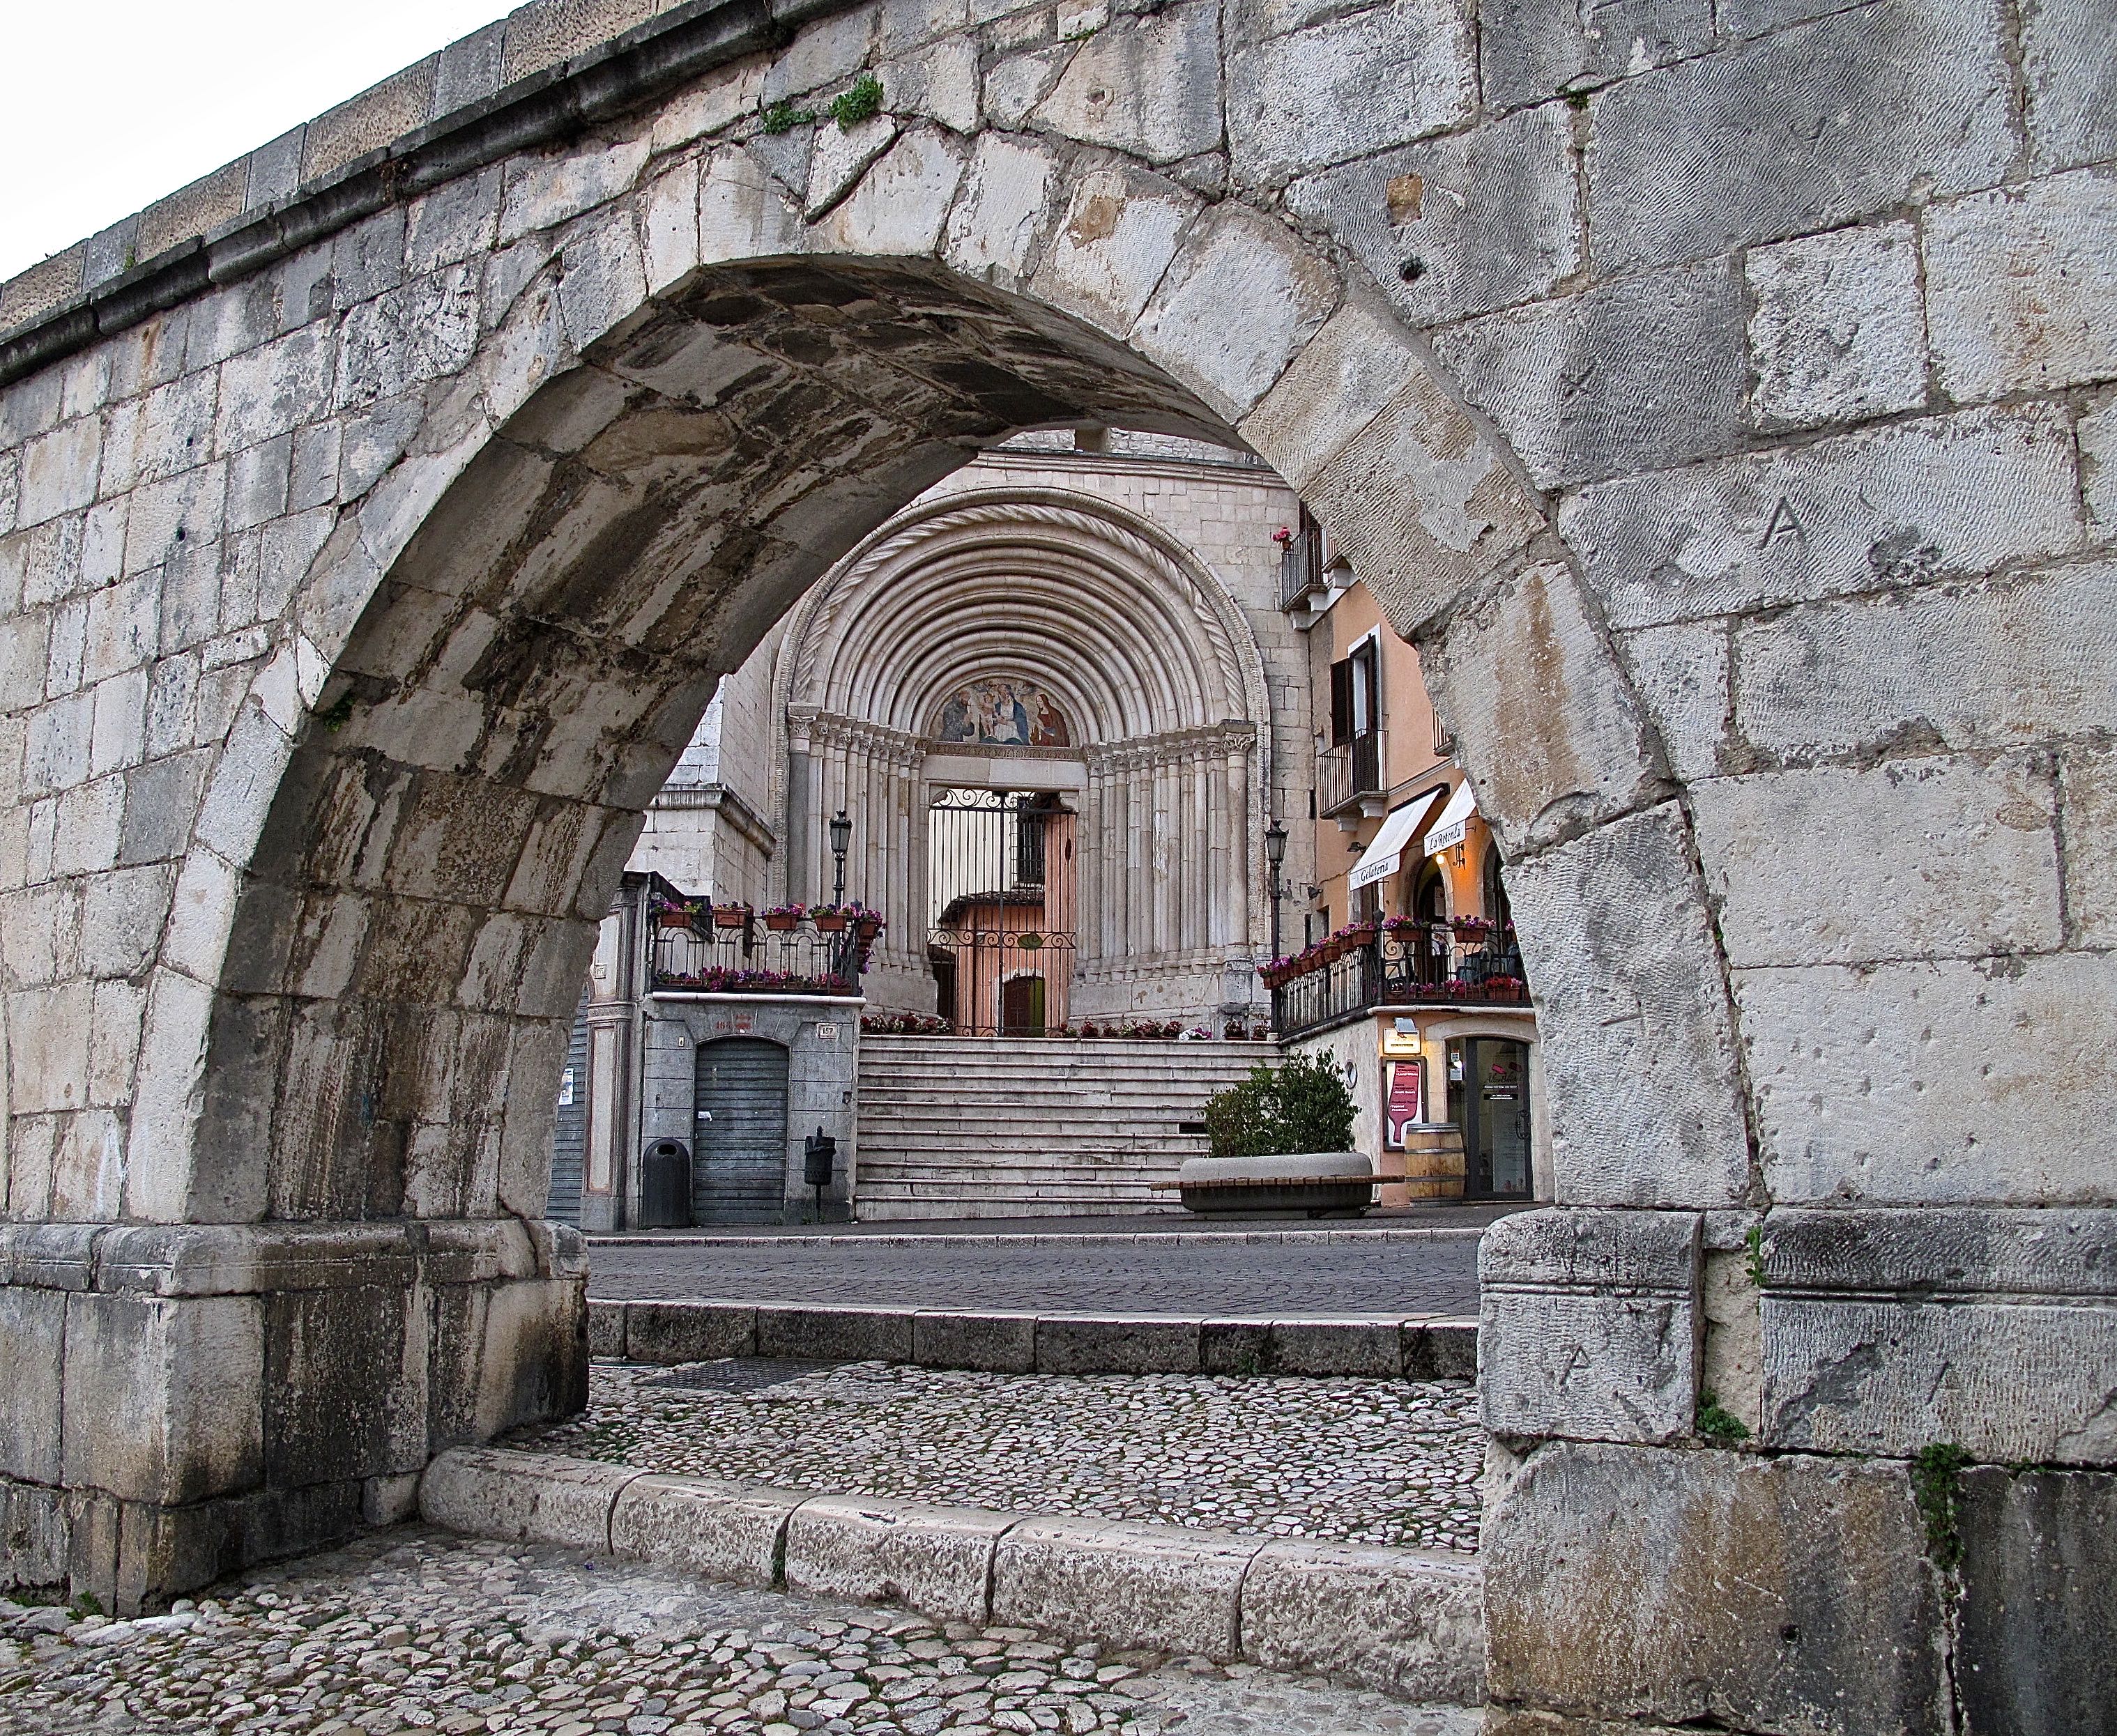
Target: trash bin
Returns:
[665, 1186]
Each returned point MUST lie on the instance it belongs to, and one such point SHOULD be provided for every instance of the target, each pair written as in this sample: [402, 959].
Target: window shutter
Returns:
[1341, 701]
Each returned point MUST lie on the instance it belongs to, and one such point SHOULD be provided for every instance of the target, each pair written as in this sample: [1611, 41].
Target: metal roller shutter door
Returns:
[739, 1170]
[569, 1132]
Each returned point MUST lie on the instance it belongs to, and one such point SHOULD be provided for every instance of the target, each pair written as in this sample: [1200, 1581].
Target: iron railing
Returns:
[1349, 771]
[750, 958]
[1301, 566]
[1403, 965]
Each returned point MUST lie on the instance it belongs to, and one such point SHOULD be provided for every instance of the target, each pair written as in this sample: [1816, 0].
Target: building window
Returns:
[1355, 694]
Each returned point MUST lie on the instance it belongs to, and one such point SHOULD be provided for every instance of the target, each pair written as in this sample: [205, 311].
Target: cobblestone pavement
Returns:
[415, 1630]
[1389, 1462]
[1193, 1276]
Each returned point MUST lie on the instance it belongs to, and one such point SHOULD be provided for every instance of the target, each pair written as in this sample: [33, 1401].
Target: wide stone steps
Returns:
[963, 1127]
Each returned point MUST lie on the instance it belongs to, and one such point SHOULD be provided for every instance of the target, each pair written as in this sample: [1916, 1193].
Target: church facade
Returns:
[1058, 702]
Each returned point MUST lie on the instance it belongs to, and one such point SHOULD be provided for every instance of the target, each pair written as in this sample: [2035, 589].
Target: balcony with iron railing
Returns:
[730, 949]
[1400, 963]
[1301, 566]
[1352, 781]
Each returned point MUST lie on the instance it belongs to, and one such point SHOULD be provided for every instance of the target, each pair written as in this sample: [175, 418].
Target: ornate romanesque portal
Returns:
[1049, 724]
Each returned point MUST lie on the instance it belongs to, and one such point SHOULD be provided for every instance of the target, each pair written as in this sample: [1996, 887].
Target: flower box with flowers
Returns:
[1471, 927]
[782, 919]
[828, 918]
[731, 916]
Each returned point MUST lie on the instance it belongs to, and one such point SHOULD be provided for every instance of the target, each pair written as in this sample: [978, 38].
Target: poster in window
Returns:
[1403, 1106]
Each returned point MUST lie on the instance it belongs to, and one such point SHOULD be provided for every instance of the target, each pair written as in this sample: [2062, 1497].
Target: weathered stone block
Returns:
[2038, 1625]
[378, 115]
[733, 1532]
[2002, 663]
[900, 204]
[1441, 1349]
[1856, 1068]
[1804, 129]
[1839, 331]
[1756, 1580]
[999, 1344]
[1239, 299]
[1422, 502]
[2098, 469]
[523, 1497]
[1149, 86]
[1913, 859]
[32, 1349]
[1639, 374]
[1589, 1324]
[606, 1329]
[164, 1397]
[1336, 90]
[2020, 297]
[1680, 674]
[1005, 190]
[1617, 938]
[1409, 1623]
[34, 1537]
[1889, 1330]
[2072, 85]
[344, 1385]
[937, 1560]
[1127, 1584]
[1369, 1349]
[834, 1334]
[1459, 225]
[1925, 499]
[2015, 1381]
[1116, 238]
[1115, 1344]
[1578, 754]
[1529, 49]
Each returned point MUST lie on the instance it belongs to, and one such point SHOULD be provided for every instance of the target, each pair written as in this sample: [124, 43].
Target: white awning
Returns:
[1449, 829]
[1383, 857]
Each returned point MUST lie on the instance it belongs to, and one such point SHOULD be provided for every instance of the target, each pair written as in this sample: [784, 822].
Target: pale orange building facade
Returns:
[1400, 958]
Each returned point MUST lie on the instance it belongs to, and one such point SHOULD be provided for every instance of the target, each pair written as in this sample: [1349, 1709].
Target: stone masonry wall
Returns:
[1721, 396]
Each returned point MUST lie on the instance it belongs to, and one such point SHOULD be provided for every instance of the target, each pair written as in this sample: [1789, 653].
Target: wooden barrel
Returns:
[1430, 1167]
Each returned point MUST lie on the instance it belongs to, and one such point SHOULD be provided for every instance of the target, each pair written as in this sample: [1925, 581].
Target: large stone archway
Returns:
[368, 549]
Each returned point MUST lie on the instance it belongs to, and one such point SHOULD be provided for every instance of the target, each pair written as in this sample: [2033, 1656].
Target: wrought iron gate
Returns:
[1000, 893]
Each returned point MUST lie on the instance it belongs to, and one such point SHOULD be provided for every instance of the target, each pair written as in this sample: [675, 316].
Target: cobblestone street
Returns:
[1194, 1274]
[416, 1630]
[1386, 1462]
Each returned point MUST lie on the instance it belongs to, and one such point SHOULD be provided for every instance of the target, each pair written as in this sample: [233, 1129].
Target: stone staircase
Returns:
[978, 1127]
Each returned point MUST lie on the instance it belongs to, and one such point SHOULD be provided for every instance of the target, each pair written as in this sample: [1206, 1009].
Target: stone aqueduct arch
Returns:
[1156, 668]
[1719, 403]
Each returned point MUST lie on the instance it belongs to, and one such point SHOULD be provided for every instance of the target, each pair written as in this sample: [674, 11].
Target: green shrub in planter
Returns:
[1300, 1106]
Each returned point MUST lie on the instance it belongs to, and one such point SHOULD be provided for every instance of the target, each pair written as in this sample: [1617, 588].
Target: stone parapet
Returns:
[206, 1397]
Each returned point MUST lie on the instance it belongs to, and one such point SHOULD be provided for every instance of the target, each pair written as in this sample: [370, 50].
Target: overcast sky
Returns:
[105, 105]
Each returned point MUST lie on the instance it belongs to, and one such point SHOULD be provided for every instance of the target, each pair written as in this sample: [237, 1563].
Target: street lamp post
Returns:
[841, 836]
[1274, 855]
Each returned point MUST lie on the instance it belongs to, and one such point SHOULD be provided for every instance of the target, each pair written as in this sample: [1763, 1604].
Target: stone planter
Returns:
[1317, 1184]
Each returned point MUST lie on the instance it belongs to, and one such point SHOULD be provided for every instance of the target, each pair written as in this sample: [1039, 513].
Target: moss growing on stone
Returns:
[863, 102]
[1937, 1487]
[783, 117]
[1716, 1424]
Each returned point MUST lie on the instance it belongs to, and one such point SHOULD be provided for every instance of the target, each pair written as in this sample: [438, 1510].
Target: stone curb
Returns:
[1056, 1238]
[1383, 1347]
[1408, 1622]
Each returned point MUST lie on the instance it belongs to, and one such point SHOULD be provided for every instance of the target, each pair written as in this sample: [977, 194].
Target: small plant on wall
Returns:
[1300, 1106]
